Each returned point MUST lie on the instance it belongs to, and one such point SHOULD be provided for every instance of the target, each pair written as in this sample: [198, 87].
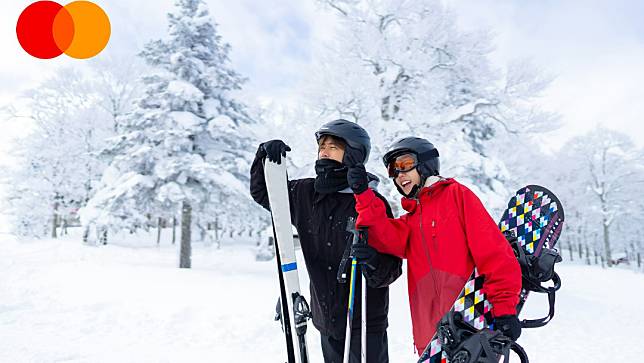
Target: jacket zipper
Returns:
[426, 249]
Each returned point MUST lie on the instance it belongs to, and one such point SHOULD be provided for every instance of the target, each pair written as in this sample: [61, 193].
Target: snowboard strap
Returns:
[464, 344]
[535, 323]
[536, 270]
[519, 351]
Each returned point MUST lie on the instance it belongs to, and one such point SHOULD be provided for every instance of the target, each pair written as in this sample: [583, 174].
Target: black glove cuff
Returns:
[359, 188]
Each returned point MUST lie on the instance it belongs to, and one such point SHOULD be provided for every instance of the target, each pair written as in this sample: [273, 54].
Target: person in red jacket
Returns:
[445, 233]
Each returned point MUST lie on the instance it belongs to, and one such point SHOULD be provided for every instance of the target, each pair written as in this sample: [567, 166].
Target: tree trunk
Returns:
[203, 234]
[571, 254]
[186, 219]
[609, 261]
[217, 236]
[174, 229]
[587, 256]
[596, 258]
[86, 234]
[639, 260]
[54, 224]
[581, 251]
[103, 235]
[159, 231]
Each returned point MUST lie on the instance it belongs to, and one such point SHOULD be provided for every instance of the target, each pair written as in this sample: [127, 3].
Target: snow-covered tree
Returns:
[600, 173]
[116, 85]
[57, 166]
[402, 68]
[186, 146]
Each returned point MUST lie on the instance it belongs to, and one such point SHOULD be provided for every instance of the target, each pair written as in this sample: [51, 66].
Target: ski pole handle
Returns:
[351, 227]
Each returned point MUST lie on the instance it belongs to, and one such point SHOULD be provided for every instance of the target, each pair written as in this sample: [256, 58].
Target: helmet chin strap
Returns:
[412, 193]
[414, 190]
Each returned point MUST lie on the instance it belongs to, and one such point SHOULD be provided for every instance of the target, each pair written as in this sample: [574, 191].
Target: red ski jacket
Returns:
[444, 235]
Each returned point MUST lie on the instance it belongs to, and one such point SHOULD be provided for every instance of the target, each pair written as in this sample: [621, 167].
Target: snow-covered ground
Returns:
[62, 301]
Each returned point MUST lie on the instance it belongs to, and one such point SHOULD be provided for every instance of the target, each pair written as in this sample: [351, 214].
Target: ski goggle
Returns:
[402, 164]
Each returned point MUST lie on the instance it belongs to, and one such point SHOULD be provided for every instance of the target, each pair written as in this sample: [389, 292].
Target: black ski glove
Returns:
[366, 256]
[275, 149]
[357, 178]
[509, 325]
[352, 157]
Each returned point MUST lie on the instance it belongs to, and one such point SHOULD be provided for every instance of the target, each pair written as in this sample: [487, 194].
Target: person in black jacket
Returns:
[320, 208]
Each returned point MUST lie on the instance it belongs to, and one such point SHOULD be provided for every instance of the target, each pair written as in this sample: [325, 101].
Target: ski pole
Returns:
[351, 227]
[363, 327]
[347, 336]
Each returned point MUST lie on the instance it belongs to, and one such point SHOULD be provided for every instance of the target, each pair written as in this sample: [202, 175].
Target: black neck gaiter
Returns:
[331, 176]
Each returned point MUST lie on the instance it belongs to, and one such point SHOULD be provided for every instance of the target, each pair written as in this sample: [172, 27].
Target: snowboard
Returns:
[294, 309]
[535, 216]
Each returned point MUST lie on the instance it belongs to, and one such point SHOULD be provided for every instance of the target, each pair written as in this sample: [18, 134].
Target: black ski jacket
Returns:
[321, 220]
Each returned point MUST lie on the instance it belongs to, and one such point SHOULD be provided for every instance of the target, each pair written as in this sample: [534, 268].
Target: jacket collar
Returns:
[432, 184]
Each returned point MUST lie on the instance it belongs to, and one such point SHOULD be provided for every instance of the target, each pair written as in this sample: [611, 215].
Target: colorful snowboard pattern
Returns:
[535, 216]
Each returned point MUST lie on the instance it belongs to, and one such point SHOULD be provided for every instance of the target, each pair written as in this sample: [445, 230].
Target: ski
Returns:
[295, 311]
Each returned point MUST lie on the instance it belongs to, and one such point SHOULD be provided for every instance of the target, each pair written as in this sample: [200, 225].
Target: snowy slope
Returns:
[61, 301]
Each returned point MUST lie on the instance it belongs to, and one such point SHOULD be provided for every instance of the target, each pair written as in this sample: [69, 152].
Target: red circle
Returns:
[34, 29]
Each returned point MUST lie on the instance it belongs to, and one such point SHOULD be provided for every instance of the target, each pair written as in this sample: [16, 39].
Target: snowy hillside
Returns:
[61, 301]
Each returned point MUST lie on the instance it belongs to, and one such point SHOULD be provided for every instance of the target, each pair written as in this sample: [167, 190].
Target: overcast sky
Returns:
[595, 48]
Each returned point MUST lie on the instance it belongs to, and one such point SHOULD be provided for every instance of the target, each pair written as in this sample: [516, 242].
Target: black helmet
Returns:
[355, 136]
[428, 163]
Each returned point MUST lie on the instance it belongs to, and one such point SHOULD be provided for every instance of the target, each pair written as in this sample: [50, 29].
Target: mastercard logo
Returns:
[80, 29]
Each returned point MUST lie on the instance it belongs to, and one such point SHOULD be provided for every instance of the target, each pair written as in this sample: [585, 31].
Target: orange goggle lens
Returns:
[402, 164]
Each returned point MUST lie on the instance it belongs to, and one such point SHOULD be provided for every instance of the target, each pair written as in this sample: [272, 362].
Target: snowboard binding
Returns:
[464, 344]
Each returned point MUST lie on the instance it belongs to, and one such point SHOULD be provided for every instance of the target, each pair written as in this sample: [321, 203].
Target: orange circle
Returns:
[91, 29]
[63, 29]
